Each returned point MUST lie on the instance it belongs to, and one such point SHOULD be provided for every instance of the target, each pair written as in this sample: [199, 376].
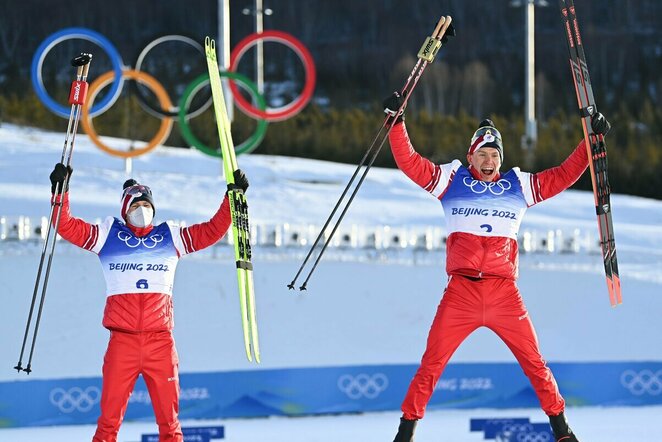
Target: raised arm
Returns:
[418, 168]
[74, 230]
[202, 235]
[554, 180]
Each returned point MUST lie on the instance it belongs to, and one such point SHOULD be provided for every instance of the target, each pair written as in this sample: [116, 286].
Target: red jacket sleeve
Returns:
[199, 236]
[419, 169]
[74, 230]
[556, 179]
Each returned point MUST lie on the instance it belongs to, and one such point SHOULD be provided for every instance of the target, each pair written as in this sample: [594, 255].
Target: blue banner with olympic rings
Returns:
[348, 389]
[167, 111]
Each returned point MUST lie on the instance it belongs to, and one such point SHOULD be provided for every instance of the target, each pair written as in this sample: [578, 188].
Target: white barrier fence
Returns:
[383, 237]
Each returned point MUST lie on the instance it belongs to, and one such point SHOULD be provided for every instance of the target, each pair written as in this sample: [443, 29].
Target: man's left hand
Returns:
[600, 124]
[240, 180]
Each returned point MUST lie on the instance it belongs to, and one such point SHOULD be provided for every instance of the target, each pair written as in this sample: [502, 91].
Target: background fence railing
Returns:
[352, 236]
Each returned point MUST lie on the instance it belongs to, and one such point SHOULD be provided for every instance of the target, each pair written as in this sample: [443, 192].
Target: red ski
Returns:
[596, 147]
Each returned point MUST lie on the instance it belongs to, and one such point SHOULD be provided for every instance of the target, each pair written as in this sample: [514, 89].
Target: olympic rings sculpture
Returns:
[166, 110]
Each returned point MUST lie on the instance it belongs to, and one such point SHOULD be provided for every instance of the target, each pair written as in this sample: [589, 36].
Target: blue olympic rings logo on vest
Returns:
[363, 385]
[166, 111]
[494, 187]
[133, 241]
[75, 399]
[642, 382]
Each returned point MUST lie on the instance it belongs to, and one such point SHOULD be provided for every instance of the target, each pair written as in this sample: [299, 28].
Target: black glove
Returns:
[450, 32]
[240, 180]
[600, 124]
[392, 104]
[58, 175]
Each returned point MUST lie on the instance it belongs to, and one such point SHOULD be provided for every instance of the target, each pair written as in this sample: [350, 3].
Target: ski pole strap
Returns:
[244, 265]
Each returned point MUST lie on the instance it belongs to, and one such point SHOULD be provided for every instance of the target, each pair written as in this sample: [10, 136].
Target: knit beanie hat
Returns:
[134, 192]
[486, 136]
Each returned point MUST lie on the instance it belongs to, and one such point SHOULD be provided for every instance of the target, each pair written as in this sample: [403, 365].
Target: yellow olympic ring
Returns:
[145, 79]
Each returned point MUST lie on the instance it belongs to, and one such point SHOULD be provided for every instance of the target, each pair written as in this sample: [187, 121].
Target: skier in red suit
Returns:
[139, 261]
[483, 209]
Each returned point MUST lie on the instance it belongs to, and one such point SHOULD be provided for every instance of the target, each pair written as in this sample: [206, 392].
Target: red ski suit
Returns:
[140, 323]
[482, 264]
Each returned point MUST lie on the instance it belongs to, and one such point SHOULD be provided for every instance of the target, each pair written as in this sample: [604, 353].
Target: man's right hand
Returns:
[58, 176]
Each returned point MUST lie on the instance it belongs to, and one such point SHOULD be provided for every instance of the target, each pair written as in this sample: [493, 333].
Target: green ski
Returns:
[238, 209]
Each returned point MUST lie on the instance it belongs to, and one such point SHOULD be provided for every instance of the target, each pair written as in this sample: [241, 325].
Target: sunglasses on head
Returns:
[486, 130]
[138, 189]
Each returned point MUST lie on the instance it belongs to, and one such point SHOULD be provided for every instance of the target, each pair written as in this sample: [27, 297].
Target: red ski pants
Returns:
[466, 305]
[153, 355]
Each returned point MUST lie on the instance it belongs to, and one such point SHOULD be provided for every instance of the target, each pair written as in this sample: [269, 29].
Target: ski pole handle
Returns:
[433, 43]
[441, 22]
[445, 27]
[81, 60]
[79, 86]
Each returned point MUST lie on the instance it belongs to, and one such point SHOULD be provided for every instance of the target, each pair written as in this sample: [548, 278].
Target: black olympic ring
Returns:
[141, 94]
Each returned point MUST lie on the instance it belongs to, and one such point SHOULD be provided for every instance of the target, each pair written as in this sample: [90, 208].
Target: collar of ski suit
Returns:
[139, 231]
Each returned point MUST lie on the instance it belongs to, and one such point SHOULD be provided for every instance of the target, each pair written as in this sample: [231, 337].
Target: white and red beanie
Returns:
[486, 136]
[134, 192]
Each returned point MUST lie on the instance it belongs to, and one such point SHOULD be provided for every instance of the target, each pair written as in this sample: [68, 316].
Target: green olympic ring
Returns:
[189, 93]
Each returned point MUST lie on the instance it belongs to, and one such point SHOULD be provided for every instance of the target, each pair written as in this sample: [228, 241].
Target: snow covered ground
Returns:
[640, 424]
[363, 305]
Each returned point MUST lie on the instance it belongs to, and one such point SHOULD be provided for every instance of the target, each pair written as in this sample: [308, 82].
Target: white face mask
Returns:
[141, 216]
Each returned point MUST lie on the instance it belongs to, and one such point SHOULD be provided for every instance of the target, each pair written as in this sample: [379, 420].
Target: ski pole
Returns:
[358, 167]
[425, 56]
[76, 99]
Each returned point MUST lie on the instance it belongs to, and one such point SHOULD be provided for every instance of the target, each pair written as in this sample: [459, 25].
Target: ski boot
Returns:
[405, 430]
[562, 432]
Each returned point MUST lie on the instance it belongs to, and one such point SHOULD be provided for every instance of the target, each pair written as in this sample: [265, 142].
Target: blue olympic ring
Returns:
[83, 34]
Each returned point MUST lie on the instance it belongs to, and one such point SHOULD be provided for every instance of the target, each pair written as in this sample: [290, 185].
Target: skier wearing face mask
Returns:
[139, 261]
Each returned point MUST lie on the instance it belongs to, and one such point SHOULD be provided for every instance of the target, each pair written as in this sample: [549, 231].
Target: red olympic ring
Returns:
[290, 109]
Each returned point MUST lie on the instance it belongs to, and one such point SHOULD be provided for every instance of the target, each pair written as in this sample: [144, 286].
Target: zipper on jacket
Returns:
[141, 313]
[482, 260]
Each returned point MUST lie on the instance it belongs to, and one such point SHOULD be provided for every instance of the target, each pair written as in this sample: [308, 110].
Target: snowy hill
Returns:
[351, 299]
[366, 304]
